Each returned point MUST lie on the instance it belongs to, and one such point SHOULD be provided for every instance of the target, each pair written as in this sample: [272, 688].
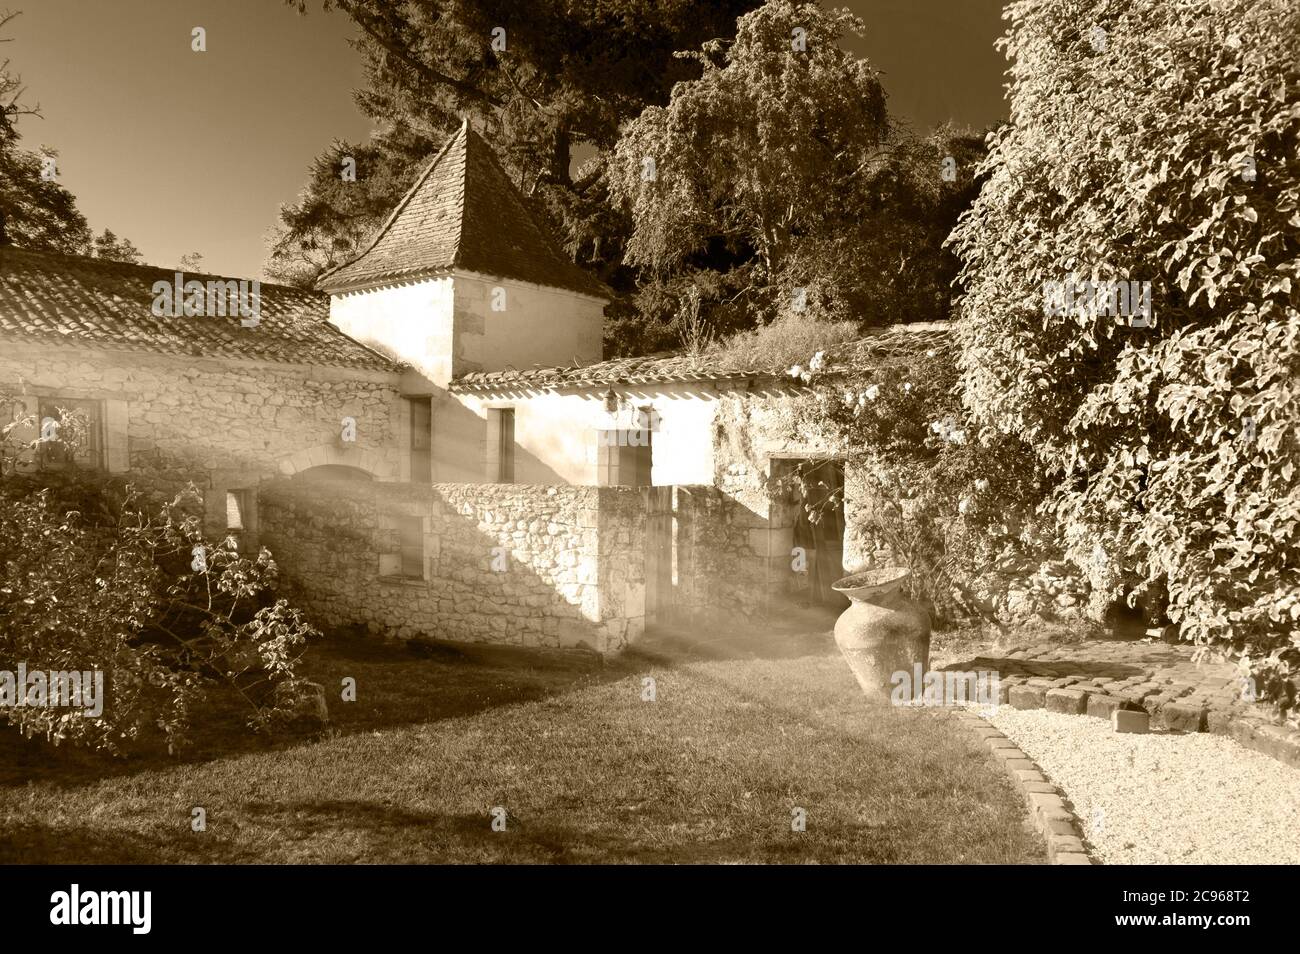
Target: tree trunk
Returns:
[560, 143]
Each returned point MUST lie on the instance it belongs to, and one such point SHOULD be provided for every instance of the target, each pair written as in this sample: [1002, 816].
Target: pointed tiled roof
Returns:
[463, 212]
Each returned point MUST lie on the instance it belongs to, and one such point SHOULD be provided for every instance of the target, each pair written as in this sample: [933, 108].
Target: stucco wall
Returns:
[557, 433]
[536, 326]
[555, 437]
[410, 322]
[523, 565]
[447, 326]
[221, 423]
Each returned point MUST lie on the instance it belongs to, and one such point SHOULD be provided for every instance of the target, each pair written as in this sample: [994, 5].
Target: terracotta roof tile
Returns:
[675, 368]
[91, 301]
[463, 212]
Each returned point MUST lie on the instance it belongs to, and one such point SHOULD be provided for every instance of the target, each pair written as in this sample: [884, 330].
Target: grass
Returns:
[586, 770]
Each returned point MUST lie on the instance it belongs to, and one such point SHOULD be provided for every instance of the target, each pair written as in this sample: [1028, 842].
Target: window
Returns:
[404, 558]
[77, 440]
[501, 445]
[411, 540]
[421, 415]
[238, 516]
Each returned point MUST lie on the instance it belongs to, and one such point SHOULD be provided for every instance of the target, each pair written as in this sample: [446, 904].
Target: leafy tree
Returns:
[334, 215]
[566, 79]
[779, 172]
[703, 166]
[109, 246]
[1155, 141]
[954, 506]
[36, 212]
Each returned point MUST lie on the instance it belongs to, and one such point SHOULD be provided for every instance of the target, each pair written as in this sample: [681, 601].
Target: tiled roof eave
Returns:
[606, 295]
[666, 371]
[415, 276]
[386, 280]
[597, 383]
[79, 301]
[378, 363]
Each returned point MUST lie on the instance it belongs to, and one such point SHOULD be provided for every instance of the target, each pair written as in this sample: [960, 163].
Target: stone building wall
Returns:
[225, 424]
[516, 564]
[727, 567]
[753, 433]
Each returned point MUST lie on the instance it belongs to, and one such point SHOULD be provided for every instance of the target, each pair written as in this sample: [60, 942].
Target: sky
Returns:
[182, 151]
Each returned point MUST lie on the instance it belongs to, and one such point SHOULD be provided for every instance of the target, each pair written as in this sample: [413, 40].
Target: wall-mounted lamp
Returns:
[611, 401]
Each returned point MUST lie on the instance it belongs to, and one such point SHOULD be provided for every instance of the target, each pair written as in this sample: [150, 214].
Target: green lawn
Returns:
[586, 770]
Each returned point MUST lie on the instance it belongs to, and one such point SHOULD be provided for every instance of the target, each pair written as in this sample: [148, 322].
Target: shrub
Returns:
[1155, 140]
[788, 341]
[90, 581]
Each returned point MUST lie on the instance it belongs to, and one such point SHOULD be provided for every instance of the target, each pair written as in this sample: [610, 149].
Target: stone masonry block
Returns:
[1184, 718]
[1028, 697]
[1101, 706]
[1123, 720]
[1058, 845]
[1070, 701]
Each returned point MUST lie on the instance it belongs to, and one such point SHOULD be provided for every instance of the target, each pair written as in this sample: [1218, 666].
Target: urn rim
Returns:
[876, 581]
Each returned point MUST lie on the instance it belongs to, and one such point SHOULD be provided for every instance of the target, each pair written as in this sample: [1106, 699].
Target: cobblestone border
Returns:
[1048, 808]
[1163, 682]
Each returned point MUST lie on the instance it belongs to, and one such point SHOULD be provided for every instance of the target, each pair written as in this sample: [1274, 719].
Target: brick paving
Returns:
[1096, 677]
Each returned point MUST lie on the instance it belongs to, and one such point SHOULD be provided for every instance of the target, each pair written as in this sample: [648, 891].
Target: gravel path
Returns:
[1163, 798]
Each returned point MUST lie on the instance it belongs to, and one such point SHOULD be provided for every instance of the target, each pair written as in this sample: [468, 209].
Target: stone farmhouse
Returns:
[430, 443]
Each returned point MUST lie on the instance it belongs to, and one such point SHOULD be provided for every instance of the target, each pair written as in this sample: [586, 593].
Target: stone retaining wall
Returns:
[731, 563]
[516, 564]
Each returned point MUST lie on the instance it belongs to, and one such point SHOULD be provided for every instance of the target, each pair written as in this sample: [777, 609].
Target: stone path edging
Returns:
[1095, 678]
[1048, 808]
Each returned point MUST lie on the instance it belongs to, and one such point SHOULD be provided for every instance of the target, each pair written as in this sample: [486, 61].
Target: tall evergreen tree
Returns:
[547, 83]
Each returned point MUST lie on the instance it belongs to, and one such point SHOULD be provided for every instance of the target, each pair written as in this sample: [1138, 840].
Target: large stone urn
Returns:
[882, 632]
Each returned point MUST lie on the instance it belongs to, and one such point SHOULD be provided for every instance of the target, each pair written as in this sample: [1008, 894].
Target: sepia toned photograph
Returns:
[651, 432]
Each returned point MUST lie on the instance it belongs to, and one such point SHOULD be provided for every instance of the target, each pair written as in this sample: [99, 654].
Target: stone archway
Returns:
[336, 473]
[375, 465]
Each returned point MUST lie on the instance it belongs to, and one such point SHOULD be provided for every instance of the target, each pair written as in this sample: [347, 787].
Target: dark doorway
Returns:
[625, 458]
[810, 498]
